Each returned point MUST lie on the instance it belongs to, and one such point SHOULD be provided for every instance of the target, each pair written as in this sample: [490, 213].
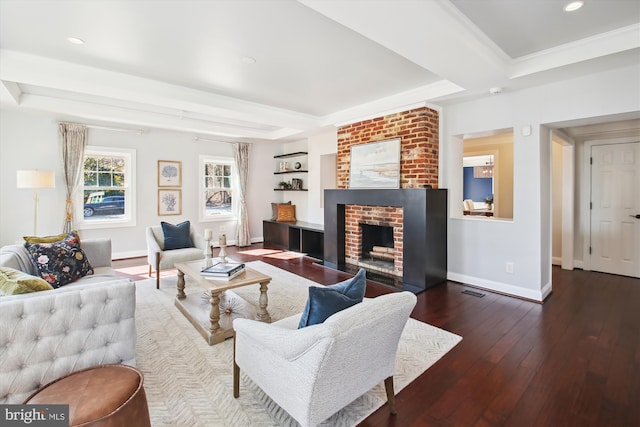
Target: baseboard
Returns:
[556, 260]
[143, 253]
[128, 254]
[502, 288]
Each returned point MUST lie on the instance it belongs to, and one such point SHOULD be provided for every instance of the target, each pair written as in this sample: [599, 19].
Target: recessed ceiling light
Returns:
[248, 60]
[75, 40]
[574, 5]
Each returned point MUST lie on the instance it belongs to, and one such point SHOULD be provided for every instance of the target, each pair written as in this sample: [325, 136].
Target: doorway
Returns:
[614, 244]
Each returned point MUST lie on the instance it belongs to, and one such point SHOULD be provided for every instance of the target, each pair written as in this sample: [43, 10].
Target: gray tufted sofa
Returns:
[45, 335]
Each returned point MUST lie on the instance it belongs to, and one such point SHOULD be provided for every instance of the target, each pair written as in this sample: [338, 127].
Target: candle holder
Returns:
[223, 254]
[222, 242]
[207, 252]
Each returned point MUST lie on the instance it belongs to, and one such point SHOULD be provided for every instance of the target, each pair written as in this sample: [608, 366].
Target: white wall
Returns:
[30, 141]
[478, 250]
[319, 145]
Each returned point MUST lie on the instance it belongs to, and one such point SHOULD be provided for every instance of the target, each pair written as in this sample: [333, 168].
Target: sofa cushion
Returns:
[60, 262]
[176, 236]
[14, 282]
[325, 301]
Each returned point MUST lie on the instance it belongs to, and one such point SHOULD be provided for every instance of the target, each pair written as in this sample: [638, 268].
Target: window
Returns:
[105, 195]
[217, 186]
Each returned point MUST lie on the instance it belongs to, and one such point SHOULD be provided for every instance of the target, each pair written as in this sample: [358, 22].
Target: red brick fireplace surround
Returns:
[418, 133]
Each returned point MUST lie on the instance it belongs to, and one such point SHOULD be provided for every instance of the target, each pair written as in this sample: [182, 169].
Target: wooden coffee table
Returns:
[213, 332]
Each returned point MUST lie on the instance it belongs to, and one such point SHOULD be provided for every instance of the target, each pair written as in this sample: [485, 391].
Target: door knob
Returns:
[636, 216]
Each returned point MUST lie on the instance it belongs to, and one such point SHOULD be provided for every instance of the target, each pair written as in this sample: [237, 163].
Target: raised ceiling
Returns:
[181, 64]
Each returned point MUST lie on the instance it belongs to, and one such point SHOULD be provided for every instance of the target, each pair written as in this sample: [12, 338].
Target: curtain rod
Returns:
[117, 129]
[198, 138]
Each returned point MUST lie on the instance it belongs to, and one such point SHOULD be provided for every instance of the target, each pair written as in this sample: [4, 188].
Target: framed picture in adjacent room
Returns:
[169, 173]
[169, 202]
[375, 165]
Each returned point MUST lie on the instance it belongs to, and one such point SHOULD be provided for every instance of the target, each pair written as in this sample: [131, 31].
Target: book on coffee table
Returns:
[223, 270]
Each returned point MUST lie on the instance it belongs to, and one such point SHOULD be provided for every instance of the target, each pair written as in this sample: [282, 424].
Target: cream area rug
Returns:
[189, 383]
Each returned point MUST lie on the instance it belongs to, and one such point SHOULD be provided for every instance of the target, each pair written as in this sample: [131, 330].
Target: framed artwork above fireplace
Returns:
[375, 165]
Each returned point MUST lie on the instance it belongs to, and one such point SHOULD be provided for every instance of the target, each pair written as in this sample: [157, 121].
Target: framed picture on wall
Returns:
[169, 173]
[375, 165]
[169, 202]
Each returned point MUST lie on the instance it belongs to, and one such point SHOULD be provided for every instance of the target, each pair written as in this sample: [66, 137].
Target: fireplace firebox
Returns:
[377, 248]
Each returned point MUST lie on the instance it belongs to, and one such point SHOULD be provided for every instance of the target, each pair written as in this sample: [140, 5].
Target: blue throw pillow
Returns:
[176, 236]
[326, 301]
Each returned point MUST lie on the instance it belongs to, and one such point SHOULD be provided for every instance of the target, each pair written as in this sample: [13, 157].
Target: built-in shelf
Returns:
[296, 154]
[289, 189]
[291, 171]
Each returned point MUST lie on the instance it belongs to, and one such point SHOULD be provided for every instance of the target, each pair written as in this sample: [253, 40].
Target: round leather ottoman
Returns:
[102, 396]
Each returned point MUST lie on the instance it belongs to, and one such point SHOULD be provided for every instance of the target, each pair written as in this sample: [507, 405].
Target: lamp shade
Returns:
[35, 179]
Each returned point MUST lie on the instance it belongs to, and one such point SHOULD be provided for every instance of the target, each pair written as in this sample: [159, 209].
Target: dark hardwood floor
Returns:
[574, 360]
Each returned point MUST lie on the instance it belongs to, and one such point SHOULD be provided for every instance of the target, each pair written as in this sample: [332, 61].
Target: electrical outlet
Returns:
[510, 267]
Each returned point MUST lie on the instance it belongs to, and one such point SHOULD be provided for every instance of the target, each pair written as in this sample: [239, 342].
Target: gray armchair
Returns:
[159, 259]
[315, 371]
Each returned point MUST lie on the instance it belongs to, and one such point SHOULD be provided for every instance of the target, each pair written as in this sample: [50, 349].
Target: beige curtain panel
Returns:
[73, 139]
[241, 156]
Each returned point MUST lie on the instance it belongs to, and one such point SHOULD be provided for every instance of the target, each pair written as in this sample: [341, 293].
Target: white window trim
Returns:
[234, 188]
[130, 194]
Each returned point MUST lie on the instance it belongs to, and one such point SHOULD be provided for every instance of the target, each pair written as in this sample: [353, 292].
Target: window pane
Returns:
[100, 205]
[118, 164]
[104, 164]
[90, 179]
[227, 182]
[227, 170]
[218, 202]
[118, 180]
[90, 164]
[104, 179]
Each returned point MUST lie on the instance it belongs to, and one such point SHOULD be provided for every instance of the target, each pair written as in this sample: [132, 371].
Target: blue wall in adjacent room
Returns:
[476, 189]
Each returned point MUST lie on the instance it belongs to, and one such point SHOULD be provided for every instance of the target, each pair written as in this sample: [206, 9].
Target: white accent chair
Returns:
[315, 371]
[159, 259]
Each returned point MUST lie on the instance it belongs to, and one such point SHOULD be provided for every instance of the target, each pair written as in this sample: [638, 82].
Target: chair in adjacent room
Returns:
[317, 370]
[161, 256]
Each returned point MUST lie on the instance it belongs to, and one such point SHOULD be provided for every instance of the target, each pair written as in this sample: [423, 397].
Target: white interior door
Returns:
[615, 198]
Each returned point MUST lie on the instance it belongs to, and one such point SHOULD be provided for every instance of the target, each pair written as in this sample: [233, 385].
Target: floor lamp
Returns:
[35, 179]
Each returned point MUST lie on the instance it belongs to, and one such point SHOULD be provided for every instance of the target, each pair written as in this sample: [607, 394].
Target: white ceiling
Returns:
[178, 64]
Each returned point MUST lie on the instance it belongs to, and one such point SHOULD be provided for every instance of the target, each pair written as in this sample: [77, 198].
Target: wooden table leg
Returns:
[181, 285]
[214, 315]
[263, 314]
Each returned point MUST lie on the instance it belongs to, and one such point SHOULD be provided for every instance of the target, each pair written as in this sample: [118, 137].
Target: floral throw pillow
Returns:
[60, 263]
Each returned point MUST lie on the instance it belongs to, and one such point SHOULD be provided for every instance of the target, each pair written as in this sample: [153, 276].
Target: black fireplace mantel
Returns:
[424, 256]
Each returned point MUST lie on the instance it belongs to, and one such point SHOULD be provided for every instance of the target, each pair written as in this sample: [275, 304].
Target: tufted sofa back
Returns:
[44, 337]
